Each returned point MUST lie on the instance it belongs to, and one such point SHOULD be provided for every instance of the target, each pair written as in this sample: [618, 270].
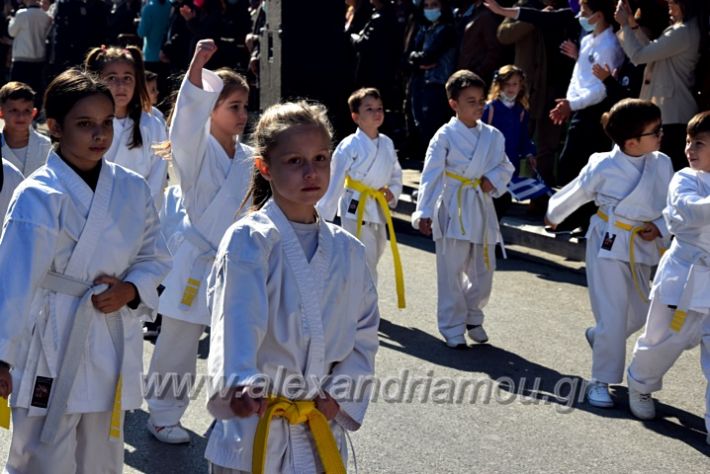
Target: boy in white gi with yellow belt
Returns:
[465, 167]
[365, 179]
[678, 318]
[626, 236]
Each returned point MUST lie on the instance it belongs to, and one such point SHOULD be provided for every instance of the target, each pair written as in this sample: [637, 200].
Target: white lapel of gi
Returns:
[35, 157]
[476, 166]
[310, 280]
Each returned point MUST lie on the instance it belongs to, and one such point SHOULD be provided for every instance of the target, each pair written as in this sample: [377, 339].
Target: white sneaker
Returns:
[598, 395]
[641, 405]
[173, 434]
[457, 342]
[478, 334]
[589, 335]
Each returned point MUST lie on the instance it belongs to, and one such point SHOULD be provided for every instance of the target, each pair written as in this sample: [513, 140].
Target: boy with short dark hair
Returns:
[465, 167]
[629, 184]
[21, 144]
[679, 315]
[366, 179]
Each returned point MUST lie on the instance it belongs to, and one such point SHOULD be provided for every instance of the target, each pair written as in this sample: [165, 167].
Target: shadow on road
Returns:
[152, 456]
[531, 382]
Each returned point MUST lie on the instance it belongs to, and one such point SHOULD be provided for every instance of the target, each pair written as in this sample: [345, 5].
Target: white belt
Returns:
[75, 346]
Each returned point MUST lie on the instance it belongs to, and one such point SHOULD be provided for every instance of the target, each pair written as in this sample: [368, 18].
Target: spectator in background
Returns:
[153, 26]
[122, 20]
[432, 59]
[378, 47]
[204, 18]
[29, 28]
[78, 26]
[670, 69]
[479, 49]
[235, 26]
[5, 42]
[550, 71]
[357, 15]
[175, 51]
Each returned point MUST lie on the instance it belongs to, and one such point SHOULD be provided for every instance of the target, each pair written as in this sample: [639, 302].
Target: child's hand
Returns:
[550, 224]
[328, 406]
[561, 112]
[569, 49]
[532, 161]
[486, 185]
[600, 72]
[425, 226]
[5, 380]
[649, 232]
[388, 194]
[119, 293]
[244, 406]
[204, 50]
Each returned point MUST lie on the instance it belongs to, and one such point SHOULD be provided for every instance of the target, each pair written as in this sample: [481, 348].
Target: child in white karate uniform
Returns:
[214, 170]
[294, 314]
[136, 132]
[86, 235]
[629, 184]
[9, 180]
[22, 146]
[465, 167]
[365, 165]
[679, 315]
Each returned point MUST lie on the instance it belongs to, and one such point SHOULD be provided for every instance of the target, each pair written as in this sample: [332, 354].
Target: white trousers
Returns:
[82, 445]
[215, 469]
[464, 284]
[619, 310]
[175, 357]
[373, 237]
[659, 347]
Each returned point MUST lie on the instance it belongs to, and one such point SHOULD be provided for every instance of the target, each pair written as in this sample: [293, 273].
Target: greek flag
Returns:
[527, 188]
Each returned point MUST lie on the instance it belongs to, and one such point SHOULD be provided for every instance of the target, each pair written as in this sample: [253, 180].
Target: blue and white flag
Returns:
[527, 188]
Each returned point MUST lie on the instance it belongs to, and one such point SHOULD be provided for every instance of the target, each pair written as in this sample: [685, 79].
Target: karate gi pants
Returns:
[175, 356]
[373, 237]
[215, 469]
[618, 309]
[82, 445]
[464, 284]
[659, 347]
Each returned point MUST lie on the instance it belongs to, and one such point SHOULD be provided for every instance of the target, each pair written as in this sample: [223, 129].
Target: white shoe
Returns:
[641, 405]
[173, 434]
[589, 335]
[457, 342]
[478, 334]
[598, 395]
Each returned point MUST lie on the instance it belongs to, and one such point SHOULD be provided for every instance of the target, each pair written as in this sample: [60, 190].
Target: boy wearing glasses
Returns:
[464, 168]
[629, 184]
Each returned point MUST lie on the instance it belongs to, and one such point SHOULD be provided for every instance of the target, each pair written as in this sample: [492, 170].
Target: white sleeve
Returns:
[190, 126]
[238, 299]
[152, 263]
[571, 197]
[15, 24]
[500, 175]
[687, 207]
[395, 185]
[340, 165]
[158, 174]
[26, 244]
[432, 181]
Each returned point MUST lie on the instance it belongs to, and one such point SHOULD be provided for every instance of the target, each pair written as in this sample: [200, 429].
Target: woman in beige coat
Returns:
[670, 69]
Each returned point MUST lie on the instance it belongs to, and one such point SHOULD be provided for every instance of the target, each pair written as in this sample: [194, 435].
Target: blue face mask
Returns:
[432, 14]
[586, 26]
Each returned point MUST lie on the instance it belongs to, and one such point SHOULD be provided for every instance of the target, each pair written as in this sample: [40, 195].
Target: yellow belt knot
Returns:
[632, 248]
[474, 184]
[367, 192]
[297, 412]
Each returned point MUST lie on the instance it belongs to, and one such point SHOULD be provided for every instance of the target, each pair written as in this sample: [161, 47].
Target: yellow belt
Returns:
[115, 429]
[4, 414]
[632, 249]
[367, 192]
[474, 184]
[297, 412]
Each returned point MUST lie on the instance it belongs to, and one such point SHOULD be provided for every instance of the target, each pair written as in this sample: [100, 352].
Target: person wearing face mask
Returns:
[431, 57]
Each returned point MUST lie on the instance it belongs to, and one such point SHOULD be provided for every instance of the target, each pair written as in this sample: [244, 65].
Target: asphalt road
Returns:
[504, 406]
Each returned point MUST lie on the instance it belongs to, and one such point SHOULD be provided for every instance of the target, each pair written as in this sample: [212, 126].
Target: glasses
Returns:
[657, 132]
